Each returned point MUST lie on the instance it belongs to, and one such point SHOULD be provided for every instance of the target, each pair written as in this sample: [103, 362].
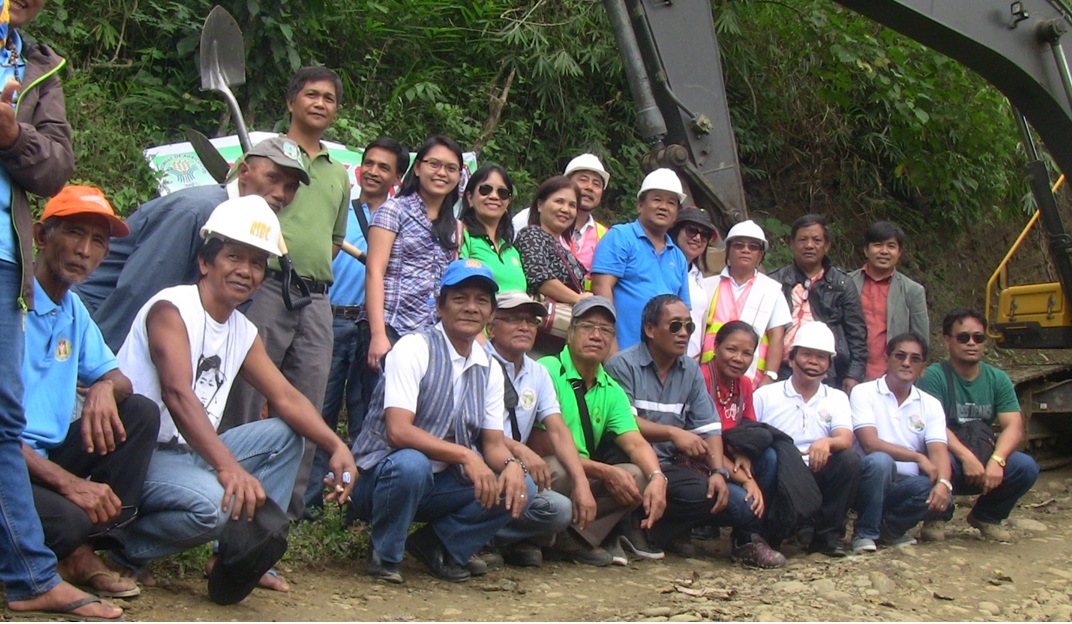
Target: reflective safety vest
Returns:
[598, 231]
[721, 312]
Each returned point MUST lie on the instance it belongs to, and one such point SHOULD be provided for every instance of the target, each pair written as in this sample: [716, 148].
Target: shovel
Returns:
[214, 162]
[223, 65]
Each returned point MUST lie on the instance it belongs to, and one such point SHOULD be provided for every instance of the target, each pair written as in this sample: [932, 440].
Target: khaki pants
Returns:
[609, 512]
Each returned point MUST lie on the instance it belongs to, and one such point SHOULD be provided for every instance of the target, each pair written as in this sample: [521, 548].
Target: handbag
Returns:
[559, 314]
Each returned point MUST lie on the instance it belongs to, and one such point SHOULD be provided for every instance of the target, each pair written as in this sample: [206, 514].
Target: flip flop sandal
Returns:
[107, 593]
[65, 613]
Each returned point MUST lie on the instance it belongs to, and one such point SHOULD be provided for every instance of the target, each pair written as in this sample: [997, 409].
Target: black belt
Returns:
[315, 287]
[347, 312]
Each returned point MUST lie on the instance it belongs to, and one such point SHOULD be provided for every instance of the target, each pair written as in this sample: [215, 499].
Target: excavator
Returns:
[670, 54]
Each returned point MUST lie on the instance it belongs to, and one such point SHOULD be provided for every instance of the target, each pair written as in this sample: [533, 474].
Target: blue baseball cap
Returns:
[466, 269]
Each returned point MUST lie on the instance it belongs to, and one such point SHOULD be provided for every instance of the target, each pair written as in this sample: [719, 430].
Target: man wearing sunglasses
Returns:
[676, 415]
[901, 430]
[88, 473]
[977, 395]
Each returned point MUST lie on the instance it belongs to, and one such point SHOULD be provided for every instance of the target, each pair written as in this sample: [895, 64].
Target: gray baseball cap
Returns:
[283, 152]
[587, 304]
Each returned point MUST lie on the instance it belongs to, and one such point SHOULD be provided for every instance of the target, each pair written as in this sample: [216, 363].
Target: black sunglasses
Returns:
[675, 326]
[692, 231]
[913, 358]
[977, 337]
[503, 192]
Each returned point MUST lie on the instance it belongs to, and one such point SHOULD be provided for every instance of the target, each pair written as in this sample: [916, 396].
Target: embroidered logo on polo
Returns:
[824, 416]
[527, 398]
[63, 350]
[916, 423]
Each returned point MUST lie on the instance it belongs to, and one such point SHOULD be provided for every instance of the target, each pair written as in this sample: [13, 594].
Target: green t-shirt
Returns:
[317, 209]
[505, 265]
[990, 394]
[608, 405]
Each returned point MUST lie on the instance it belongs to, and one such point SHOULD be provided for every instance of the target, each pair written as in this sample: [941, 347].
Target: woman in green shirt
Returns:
[488, 233]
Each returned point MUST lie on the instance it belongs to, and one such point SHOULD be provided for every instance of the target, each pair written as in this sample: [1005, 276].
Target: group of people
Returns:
[171, 392]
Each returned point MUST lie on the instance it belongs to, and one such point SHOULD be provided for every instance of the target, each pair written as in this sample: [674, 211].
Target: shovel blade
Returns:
[223, 55]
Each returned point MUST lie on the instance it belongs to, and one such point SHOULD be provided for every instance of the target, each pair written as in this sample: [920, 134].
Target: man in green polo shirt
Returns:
[621, 466]
[313, 226]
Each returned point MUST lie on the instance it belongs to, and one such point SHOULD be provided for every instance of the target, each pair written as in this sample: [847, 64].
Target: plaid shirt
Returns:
[415, 267]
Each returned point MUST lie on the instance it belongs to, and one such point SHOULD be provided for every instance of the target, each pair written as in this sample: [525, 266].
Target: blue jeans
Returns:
[765, 472]
[182, 498]
[348, 375]
[888, 503]
[27, 567]
[402, 489]
[1021, 472]
[547, 513]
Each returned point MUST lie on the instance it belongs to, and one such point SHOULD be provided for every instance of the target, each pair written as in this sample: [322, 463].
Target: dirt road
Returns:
[963, 578]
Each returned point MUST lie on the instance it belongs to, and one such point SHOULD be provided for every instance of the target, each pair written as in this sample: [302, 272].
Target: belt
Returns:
[315, 287]
[347, 312]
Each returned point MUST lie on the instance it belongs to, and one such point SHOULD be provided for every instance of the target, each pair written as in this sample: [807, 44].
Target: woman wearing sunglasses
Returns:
[550, 269]
[743, 293]
[692, 233]
[487, 231]
[412, 239]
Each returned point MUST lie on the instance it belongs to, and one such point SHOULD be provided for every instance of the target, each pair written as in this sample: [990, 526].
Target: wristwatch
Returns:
[947, 484]
[773, 374]
[999, 459]
[720, 471]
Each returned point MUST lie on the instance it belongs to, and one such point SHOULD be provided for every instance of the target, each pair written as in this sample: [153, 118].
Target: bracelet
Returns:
[660, 473]
[514, 460]
[947, 484]
[999, 459]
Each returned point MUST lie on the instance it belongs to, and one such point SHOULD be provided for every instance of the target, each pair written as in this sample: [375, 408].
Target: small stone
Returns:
[1027, 524]
[656, 612]
[654, 619]
[451, 612]
[685, 617]
[788, 587]
[374, 598]
[839, 597]
[823, 586]
[1061, 613]
[1059, 572]
[989, 607]
[882, 583]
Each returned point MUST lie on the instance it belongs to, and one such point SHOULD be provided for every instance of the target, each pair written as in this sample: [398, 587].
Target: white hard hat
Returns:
[247, 220]
[815, 335]
[587, 162]
[662, 180]
[747, 229]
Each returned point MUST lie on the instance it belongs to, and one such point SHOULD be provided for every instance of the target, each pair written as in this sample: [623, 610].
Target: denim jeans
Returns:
[27, 566]
[182, 498]
[687, 506]
[1021, 472]
[402, 489]
[547, 513]
[887, 503]
[765, 472]
[348, 376]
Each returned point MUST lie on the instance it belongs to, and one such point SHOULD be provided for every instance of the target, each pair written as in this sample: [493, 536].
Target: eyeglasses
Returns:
[531, 321]
[740, 245]
[436, 165]
[692, 231]
[588, 327]
[913, 358]
[976, 337]
[676, 326]
[486, 189]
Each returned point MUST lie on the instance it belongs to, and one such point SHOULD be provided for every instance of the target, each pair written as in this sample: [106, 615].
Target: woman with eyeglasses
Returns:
[693, 233]
[487, 231]
[550, 269]
[743, 293]
[412, 239]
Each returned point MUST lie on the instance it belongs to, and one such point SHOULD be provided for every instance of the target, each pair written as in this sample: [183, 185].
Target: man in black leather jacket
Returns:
[817, 290]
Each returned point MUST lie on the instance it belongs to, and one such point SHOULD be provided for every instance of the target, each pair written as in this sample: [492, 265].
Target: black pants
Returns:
[687, 506]
[838, 481]
[66, 525]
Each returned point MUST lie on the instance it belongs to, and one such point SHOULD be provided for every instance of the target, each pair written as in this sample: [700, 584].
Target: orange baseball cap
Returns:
[75, 200]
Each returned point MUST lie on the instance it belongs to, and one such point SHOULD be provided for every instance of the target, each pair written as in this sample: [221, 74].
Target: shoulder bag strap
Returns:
[359, 211]
[579, 391]
[950, 405]
[510, 401]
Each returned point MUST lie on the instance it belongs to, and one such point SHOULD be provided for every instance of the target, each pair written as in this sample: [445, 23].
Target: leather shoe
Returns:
[835, 550]
[425, 546]
[379, 569]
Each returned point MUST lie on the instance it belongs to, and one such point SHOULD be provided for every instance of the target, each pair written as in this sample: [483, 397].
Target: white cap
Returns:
[747, 229]
[247, 220]
[815, 335]
[587, 162]
[662, 180]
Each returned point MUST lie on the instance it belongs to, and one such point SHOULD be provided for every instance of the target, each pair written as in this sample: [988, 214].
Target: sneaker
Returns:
[682, 546]
[863, 545]
[757, 554]
[523, 554]
[635, 540]
[613, 547]
[898, 541]
[577, 549]
[989, 531]
[932, 531]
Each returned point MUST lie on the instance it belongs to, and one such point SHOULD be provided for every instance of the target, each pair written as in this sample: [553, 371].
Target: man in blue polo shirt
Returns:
[87, 478]
[636, 261]
[382, 165]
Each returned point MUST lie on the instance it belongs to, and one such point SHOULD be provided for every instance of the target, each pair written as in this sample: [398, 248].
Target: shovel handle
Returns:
[349, 249]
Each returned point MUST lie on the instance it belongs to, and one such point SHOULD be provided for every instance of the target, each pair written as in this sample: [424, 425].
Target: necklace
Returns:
[730, 397]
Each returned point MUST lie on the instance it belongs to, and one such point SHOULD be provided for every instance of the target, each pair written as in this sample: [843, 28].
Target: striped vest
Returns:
[437, 413]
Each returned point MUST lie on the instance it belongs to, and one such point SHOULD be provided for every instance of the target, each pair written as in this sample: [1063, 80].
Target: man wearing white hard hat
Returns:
[186, 348]
[637, 261]
[819, 420]
[588, 173]
[745, 294]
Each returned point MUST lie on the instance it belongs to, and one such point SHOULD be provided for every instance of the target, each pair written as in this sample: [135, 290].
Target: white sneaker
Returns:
[863, 545]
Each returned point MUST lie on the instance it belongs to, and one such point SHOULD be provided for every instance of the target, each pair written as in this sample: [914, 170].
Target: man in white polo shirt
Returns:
[819, 420]
[906, 471]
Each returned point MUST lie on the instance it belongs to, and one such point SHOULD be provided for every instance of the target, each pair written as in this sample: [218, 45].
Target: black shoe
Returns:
[425, 546]
[835, 550]
[523, 554]
[381, 570]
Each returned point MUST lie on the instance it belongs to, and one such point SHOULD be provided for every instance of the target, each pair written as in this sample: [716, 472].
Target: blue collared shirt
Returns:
[349, 286]
[63, 346]
[626, 253]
